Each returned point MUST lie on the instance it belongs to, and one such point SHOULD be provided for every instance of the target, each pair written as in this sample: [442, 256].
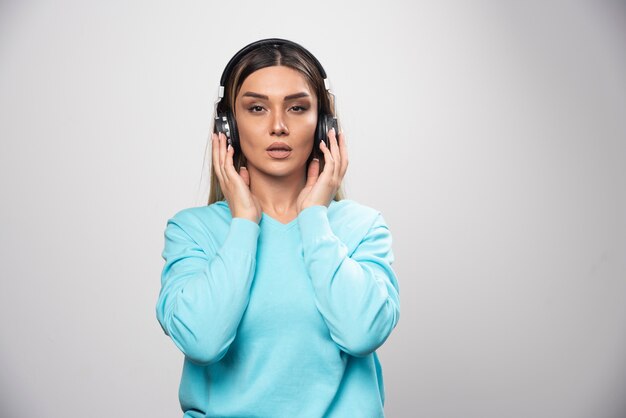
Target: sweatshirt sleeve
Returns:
[204, 293]
[357, 294]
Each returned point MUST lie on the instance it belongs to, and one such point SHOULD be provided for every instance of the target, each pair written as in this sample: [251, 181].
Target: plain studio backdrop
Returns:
[491, 135]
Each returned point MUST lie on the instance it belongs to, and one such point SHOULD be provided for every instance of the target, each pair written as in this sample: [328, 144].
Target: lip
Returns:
[279, 154]
[278, 146]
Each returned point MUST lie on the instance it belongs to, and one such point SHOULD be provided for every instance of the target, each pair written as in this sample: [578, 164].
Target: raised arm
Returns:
[204, 292]
[357, 294]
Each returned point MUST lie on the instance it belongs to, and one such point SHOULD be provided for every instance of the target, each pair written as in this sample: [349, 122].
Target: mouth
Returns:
[279, 150]
[279, 146]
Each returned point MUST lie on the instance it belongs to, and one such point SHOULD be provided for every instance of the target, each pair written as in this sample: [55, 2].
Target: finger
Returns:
[222, 147]
[229, 168]
[334, 150]
[245, 175]
[344, 155]
[329, 162]
[313, 172]
[326, 176]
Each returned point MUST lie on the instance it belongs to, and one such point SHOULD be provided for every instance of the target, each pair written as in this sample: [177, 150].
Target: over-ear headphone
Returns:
[225, 119]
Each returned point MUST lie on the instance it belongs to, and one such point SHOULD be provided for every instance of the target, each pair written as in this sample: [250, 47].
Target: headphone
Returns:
[225, 120]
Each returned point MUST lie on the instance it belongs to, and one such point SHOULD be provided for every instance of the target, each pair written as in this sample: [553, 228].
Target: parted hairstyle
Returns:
[269, 55]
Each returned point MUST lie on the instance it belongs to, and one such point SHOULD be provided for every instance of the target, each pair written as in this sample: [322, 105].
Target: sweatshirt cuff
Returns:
[313, 223]
[242, 236]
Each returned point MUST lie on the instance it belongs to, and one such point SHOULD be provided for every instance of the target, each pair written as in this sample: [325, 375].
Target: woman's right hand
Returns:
[235, 186]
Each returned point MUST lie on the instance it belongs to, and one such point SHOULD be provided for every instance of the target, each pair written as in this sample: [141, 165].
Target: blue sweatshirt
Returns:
[279, 320]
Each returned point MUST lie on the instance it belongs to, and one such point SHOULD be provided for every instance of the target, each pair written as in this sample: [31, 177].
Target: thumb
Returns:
[313, 172]
[243, 172]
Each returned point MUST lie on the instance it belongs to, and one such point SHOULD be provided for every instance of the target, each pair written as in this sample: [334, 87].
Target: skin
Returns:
[280, 188]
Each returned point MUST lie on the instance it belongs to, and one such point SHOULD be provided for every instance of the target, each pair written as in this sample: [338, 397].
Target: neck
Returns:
[277, 195]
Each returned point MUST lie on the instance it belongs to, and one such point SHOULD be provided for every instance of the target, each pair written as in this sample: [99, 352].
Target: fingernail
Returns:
[243, 168]
[229, 147]
[316, 159]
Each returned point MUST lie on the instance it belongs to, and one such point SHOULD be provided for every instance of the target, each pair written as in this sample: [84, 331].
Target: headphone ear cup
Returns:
[324, 124]
[225, 123]
[234, 133]
[221, 124]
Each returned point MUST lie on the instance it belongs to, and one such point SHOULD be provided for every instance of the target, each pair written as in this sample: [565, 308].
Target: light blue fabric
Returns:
[279, 320]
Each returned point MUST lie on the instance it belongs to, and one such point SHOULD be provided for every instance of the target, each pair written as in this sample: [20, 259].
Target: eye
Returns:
[255, 109]
[299, 109]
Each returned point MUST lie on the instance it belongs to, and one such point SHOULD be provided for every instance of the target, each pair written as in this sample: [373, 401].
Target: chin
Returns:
[281, 168]
[281, 171]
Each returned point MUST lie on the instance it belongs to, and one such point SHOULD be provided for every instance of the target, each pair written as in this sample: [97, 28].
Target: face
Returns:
[276, 114]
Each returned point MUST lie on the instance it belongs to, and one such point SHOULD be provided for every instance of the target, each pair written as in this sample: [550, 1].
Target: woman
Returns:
[278, 292]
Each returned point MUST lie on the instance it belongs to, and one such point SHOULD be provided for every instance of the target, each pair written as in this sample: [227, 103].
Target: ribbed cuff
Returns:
[313, 223]
[243, 235]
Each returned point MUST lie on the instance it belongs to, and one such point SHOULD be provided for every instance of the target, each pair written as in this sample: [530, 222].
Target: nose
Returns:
[279, 127]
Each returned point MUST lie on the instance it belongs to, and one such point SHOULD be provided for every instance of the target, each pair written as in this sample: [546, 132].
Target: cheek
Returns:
[309, 126]
[247, 132]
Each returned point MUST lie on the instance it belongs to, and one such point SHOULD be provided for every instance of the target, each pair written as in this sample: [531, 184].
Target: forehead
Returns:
[276, 81]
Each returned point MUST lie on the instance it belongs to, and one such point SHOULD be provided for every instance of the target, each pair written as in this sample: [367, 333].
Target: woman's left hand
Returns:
[320, 188]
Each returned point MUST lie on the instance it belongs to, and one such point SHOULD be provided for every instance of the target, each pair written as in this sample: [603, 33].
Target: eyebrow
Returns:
[264, 97]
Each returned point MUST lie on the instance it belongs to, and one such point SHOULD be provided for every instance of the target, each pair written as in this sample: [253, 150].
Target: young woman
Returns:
[278, 292]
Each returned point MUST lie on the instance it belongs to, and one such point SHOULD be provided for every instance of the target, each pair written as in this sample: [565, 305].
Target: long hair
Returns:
[269, 55]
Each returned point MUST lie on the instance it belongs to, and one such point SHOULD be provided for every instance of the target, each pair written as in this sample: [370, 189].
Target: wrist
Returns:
[248, 216]
[314, 222]
[306, 205]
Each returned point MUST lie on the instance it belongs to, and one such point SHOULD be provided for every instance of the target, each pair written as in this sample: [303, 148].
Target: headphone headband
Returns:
[270, 42]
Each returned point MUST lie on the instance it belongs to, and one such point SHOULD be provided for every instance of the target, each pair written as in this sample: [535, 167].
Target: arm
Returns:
[203, 296]
[356, 294]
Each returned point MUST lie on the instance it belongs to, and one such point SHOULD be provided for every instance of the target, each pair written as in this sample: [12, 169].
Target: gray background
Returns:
[491, 135]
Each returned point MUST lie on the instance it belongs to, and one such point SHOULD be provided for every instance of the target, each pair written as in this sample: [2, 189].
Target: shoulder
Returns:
[352, 221]
[201, 215]
[348, 211]
[206, 225]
